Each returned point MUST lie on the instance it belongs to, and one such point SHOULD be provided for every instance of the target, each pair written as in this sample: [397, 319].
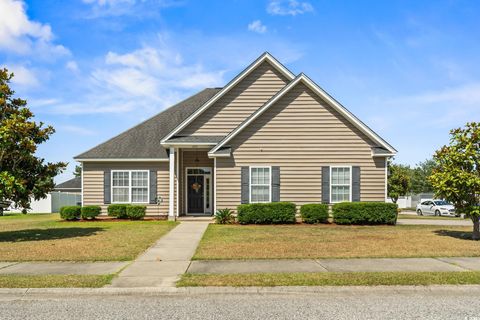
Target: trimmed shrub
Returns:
[136, 212]
[90, 212]
[118, 210]
[70, 212]
[314, 213]
[224, 216]
[267, 213]
[364, 213]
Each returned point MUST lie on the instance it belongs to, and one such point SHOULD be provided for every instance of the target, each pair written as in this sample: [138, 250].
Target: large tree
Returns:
[22, 174]
[419, 177]
[456, 175]
[399, 181]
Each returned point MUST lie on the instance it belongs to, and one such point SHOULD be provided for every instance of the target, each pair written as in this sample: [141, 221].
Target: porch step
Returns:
[196, 218]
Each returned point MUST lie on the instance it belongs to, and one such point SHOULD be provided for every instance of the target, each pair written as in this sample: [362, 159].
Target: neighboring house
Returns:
[268, 135]
[73, 185]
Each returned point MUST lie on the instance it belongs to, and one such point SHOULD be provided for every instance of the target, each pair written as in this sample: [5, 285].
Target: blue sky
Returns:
[93, 68]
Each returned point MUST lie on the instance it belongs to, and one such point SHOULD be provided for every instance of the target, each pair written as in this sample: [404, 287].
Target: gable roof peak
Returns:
[266, 56]
[302, 77]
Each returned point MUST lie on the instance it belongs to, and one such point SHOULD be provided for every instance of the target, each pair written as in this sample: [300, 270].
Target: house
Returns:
[73, 185]
[267, 135]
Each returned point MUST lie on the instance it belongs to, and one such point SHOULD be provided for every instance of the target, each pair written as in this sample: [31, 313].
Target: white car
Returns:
[435, 207]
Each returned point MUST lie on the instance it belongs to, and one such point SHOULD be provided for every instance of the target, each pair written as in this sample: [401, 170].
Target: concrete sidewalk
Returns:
[335, 265]
[43, 268]
[166, 260]
[436, 222]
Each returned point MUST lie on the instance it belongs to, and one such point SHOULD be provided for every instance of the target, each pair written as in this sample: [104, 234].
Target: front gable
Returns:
[239, 103]
[323, 100]
[242, 96]
[301, 124]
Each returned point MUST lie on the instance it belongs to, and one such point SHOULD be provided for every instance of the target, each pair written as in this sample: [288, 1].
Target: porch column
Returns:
[171, 198]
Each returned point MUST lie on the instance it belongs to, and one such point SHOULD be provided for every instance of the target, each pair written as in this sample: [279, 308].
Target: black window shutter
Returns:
[153, 186]
[325, 184]
[356, 184]
[107, 187]
[275, 184]
[245, 185]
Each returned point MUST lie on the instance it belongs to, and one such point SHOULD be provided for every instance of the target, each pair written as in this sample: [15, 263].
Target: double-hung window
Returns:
[340, 184]
[260, 184]
[130, 186]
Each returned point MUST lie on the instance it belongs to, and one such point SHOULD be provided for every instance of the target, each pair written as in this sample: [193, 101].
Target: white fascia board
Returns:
[173, 144]
[264, 57]
[320, 92]
[223, 155]
[124, 160]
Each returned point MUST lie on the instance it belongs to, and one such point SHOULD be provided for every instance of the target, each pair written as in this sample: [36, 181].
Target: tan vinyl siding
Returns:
[188, 160]
[93, 182]
[300, 133]
[237, 104]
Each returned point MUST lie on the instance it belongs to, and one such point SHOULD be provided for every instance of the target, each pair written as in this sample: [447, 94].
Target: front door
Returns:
[195, 193]
[199, 190]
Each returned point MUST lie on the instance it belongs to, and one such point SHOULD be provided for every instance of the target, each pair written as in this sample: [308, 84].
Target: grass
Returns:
[332, 241]
[54, 281]
[43, 237]
[411, 216]
[329, 279]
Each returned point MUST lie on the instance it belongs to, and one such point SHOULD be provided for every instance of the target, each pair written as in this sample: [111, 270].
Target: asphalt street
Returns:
[346, 304]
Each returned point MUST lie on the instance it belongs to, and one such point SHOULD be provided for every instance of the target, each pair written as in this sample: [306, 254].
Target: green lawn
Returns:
[44, 237]
[329, 279]
[411, 216]
[54, 281]
[332, 241]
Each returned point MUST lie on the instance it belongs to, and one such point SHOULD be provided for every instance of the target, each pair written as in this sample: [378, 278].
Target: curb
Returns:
[16, 293]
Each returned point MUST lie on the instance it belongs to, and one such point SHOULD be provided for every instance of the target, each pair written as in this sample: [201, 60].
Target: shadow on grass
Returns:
[47, 234]
[454, 234]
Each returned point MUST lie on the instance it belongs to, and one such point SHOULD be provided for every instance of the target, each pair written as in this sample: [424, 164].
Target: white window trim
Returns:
[130, 186]
[250, 184]
[350, 194]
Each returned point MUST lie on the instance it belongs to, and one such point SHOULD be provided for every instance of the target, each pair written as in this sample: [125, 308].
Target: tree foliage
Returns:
[420, 182]
[399, 181]
[456, 176]
[22, 174]
[78, 171]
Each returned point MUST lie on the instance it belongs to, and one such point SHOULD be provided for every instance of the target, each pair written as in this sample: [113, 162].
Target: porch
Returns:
[193, 183]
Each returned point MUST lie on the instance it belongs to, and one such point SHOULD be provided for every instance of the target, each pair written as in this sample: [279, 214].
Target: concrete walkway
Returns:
[335, 265]
[436, 222]
[42, 268]
[163, 263]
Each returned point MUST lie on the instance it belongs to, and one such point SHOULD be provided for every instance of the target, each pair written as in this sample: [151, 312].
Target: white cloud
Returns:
[72, 66]
[145, 79]
[104, 8]
[288, 7]
[20, 35]
[23, 76]
[257, 26]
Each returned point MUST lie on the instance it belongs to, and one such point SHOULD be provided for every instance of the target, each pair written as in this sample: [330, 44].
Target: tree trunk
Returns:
[476, 228]
[1, 211]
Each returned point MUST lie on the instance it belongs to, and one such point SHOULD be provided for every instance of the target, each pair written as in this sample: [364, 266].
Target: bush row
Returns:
[121, 211]
[364, 213]
[284, 212]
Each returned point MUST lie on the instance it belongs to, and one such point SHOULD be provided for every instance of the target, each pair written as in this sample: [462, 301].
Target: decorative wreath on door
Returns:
[196, 186]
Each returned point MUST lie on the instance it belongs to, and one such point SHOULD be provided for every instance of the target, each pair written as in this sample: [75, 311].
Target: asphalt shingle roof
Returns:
[75, 183]
[143, 140]
[197, 139]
